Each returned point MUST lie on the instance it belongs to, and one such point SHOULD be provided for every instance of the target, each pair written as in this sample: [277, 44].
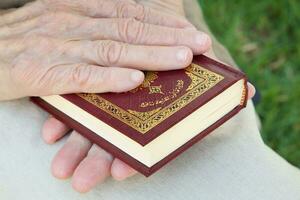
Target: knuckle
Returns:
[131, 30]
[177, 35]
[81, 75]
[110, 52]
[140, 12]
[123, 9]
[127, 10]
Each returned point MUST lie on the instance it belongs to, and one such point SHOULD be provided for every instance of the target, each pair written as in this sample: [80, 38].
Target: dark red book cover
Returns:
[163, 100]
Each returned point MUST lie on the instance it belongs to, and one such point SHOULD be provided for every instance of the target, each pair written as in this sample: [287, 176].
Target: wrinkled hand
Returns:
[88, 163]
[57, 47]
[73, 39]
[66, 46]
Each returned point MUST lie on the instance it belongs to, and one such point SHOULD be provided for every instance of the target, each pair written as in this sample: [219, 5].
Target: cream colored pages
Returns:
[167, 142]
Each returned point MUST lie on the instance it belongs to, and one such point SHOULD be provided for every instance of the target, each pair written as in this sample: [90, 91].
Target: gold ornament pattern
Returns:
[172, 95]
[243, 99]
[195, 80]
[201, 81]
[150, 77]
[144, 115]
[155, 89]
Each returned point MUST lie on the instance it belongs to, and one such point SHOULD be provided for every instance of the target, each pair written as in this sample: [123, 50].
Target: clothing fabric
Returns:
[232, 163]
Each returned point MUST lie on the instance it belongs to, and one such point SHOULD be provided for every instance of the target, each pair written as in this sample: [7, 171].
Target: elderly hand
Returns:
[99, 36]
[56, 47]
[66, 46]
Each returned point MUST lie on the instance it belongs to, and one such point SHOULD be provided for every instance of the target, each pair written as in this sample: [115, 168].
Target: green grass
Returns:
[264, 39]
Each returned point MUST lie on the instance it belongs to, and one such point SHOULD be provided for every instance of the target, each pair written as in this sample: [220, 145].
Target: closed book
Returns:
[149, 126]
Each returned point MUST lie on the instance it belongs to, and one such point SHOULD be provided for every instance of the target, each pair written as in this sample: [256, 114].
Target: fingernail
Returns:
[137, 76]
[182, 55]
[252, 90]
[251, 86]
[202, 39]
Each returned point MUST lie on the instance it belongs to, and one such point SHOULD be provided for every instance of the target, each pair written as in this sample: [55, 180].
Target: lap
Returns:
[231, 159]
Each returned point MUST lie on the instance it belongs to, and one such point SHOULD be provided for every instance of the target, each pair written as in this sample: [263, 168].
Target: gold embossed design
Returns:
[155, 90]
[144, 115]
[150, 77]
[148, 121]
[160, 101]
[243, 99]
[195, 80]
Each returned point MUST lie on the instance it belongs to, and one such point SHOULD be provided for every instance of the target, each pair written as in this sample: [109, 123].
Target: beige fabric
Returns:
[230, 164]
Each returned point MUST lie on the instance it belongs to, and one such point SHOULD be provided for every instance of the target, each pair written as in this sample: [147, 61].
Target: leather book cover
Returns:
[163, 100]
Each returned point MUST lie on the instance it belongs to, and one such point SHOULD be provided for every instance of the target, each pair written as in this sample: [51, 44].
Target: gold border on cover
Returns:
[153, 118]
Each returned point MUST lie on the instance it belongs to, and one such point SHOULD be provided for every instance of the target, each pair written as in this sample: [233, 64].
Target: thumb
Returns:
[77, 78]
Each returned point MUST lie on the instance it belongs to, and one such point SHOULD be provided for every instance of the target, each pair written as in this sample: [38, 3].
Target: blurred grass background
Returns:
[264, 39]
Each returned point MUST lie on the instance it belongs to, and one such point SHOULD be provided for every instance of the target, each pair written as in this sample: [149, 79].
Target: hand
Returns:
[172, 7]
[57, 47]
[88, 163]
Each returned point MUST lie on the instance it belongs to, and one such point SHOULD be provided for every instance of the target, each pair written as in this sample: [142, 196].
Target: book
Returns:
[169, 112]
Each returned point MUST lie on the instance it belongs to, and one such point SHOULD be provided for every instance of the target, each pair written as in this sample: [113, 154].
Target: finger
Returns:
[251, 90]
[135, 32]
[94, 169]
[120, 170]
[70, 155]
[148, 15]
[110, 53]
[77, 78]
[120, 9]
[53, 130]
[24, 13]
[122, 30]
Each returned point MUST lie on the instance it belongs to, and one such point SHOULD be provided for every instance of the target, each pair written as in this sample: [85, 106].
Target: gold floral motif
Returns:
[150, 77]
[172, 94]
[147, 121]
[155, 90]
[195, 80]
[144, 115]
